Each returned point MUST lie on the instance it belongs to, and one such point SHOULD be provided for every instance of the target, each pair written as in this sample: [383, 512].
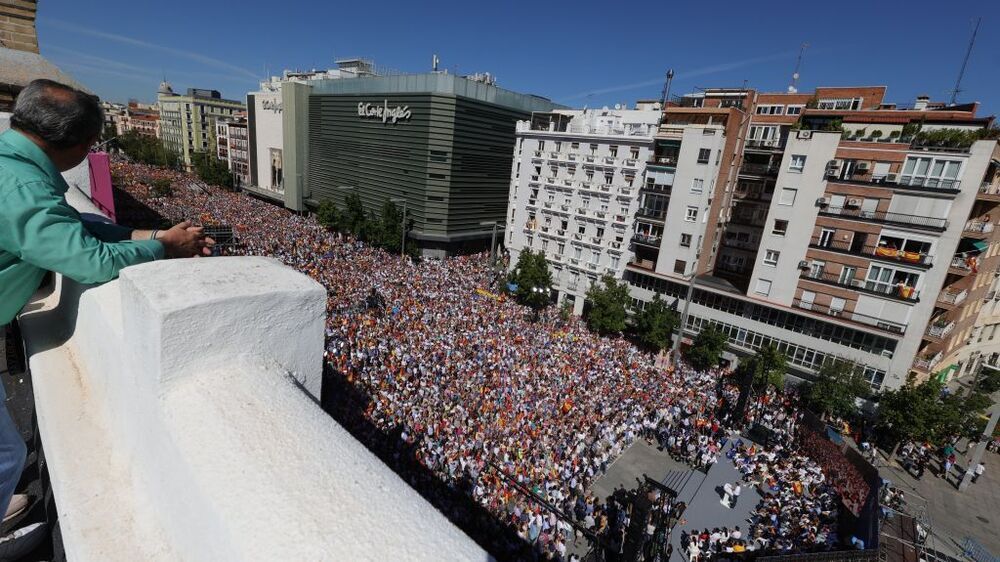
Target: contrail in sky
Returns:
[198, 57]
[714, 69]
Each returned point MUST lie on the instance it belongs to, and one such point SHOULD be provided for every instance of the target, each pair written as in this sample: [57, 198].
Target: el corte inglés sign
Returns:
[383, 111]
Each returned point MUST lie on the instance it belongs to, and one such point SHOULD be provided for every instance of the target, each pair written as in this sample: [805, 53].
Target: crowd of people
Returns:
[491, 401]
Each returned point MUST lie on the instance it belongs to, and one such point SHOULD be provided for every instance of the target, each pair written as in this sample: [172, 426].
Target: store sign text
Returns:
[384, 112]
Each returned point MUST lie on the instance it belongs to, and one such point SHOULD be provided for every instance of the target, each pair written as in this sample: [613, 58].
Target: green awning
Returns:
[980, 245]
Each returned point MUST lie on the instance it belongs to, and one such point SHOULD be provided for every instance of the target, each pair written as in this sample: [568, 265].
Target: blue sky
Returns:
[577, 53]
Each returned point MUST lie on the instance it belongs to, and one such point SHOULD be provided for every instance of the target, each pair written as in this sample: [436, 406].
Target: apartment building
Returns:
[187, 122]
[837, 230]
[232, 147]
[575, 190]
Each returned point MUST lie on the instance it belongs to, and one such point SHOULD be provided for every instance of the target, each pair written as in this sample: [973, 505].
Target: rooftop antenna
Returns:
[965, 62]
[794, 86]
[666, 89]
[434, 63]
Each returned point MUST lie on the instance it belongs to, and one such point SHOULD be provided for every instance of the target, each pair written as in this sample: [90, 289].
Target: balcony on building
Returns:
[978, 228]
[765, 145]
[952, 297]
[756, 219]
[925, 362]
[939, 328]
[935, 224]
[665, 153]
[856, 317]
[989, 191]
[883, 251]
[867, 177]
[899, 288]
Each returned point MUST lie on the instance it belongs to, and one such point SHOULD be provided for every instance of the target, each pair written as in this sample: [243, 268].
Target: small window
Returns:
[697, 185]
[680, 266]
[575, 145]
[771, 258]
[780, 227]
[787, 196]
[686, 240]
[691, 214]
[763, 287]
[541, 145]
[793, 110]
[798, 163]
[634, 153]
[704, 154]
[613, 150]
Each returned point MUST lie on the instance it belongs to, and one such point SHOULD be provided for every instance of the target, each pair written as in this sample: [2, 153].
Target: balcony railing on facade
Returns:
[748, 220]
[748, 245]
[765, 144]
[759, 169]
[887, 325]
[895, 181]
[927, 362]
[963, 265]
[897, 291]
[731, 269]
[658, 215]
[940, 329]
[647, 239]
[881, 252]
[953, 297]
[913, 221]
[978, 228]
[669, 161]
[660, 188]
[989, 191]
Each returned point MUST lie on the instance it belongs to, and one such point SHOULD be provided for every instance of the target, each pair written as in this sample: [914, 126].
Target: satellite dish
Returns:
[618, 106]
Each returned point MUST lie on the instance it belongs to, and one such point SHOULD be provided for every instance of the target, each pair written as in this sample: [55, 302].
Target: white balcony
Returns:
[178, 411]
[928, 362]
[940, 329]
[979, 227]
[953, 297]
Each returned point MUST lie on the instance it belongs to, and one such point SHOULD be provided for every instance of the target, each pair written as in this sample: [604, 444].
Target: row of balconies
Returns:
[880, 323]
[880, 252]
[898, 291]
[622, 191]
[587, 158]
[916, 221]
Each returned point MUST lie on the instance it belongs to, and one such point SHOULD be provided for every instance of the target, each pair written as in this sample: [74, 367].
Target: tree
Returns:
[988, 381]
[533, 279]
[836, 389]
[656, 324]
[765, 368]
[706, 351]
[608, 302]
[924, 412]
[328, 215]
[354, 219]
[144, 149]
[390, 229]
[211, 170]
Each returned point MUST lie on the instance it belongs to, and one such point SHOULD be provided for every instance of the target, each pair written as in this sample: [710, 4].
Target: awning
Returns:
[980, 245]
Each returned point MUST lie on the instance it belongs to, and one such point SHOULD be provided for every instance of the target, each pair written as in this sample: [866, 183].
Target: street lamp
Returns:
[402, 244]
[675, 351]
[493, 238]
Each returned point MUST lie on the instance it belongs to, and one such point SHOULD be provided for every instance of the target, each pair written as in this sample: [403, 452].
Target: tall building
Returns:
[821, 223]
[441, 143]
[187, 122]
[575, 187]
[266, 129]
[233, 147]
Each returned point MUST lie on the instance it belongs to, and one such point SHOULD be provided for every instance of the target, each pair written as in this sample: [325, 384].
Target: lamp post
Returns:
[493, 238]
[675, 351]
[402, 244]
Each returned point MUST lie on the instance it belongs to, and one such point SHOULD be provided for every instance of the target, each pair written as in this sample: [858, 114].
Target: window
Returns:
[826, 237]
[704, 154]
[562, 248]
[770, 109]
[593, 149]
[839, 103]
[680, 266]
[794, 110]
[874, 377]
[582, 229]
[577, 252]
[931, 172]
[798, 163]
[697, 185]
[780, 227]
[541, 145]
[574, 145]
[545, 245]
[816, 269]
[614, 262]
[686, 240]
[691, 215]
[837, 304]
[847, 275]
[771, 258]
[634, 152]
[613, 150]
[763, 287]
[807, 299]
[558, 146]
[787, 197]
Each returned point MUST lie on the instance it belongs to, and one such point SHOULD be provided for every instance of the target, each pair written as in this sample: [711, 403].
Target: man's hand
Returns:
[185, 241]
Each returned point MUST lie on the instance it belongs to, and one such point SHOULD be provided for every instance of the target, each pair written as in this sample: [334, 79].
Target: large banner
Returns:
[101, 193]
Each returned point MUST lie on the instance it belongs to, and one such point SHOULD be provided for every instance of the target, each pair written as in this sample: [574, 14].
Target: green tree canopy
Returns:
[765, 368]
[211, 170]
[533, 279]
[656, 323]
[328, 215]
[353, 218]
[836, 389]
[390, 227]
[707, 348]
[922, 412]
[144, 149]
[608, 302]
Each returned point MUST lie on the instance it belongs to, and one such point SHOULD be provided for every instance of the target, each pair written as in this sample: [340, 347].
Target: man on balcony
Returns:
[53, 128]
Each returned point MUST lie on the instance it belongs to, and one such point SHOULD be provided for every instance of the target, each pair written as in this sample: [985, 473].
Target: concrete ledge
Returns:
[177, 409]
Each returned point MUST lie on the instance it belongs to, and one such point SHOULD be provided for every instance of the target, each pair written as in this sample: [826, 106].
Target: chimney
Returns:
[921, 103]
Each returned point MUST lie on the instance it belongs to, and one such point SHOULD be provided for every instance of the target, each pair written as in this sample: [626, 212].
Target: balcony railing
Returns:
[877, 252]
[962, 264]
[950, 186]
[733, 269]
[647, 239]
[759, 169]
[749, 220]
[765, 143]
[652, 214]
[916, 221]
[987, 188]
[927, 363]
[978, 227]
[880, 323]
[953, 297]
[898, 291]
[740, 244]
[664, 161]
[940, 330]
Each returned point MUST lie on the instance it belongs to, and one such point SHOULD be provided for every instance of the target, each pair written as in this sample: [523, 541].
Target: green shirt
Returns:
[40, 231]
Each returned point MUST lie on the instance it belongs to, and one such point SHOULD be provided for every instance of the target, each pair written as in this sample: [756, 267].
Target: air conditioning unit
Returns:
[853, 203]
[804, 264]
[805, 135]
[858, 283]
[862, 166]
[822, 202]
[834, 164]
[891, 178]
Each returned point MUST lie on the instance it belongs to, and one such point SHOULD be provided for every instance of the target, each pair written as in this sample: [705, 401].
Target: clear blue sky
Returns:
[577, 53]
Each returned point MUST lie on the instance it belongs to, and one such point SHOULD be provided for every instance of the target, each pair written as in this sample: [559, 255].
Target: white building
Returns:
[265, 123]
[233, 148]
[575, 191]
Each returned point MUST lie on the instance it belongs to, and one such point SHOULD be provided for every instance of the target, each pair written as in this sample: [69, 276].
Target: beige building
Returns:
[187, 122]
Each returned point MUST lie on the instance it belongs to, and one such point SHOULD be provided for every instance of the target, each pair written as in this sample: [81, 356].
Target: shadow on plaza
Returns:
[347, 405]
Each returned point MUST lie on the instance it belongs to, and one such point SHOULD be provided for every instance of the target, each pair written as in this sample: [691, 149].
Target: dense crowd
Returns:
[488, 399]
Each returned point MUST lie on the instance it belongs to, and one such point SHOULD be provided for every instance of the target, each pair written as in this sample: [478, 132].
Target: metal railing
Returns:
[647, 239]
[953, 297]
[878, 252]
[927, 363]
[741, 244]
[765, 143]
[664, 161]
[759, 169]
[961, 263]
[931, 223]
[979, 227]
[940, 330]
[896, 291]
[652, 214]
[729, 268]
[880, 323]
[988, 188]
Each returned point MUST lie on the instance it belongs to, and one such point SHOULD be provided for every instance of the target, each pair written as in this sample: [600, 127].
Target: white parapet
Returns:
[178, 407]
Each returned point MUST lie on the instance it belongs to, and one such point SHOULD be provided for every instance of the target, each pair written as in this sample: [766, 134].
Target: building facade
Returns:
[830, 224]
[266, 127]
[17, 25]
[574, 190]
[233, 148]
[187, 122]
[439, 142]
